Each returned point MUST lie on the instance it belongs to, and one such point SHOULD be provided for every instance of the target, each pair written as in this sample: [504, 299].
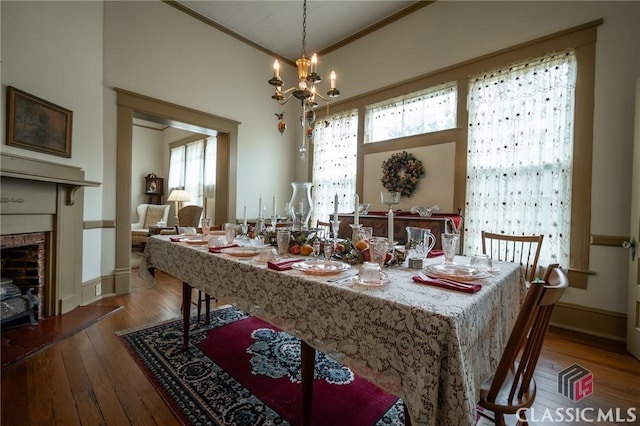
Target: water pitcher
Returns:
[420, 241]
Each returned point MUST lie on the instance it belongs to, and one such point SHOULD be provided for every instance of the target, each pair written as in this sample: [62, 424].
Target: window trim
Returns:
[583, 39]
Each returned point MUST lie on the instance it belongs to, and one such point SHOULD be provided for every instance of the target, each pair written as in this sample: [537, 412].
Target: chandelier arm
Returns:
[285, 100]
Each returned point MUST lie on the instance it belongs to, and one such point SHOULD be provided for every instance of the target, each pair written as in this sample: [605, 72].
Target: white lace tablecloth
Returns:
[430, 346]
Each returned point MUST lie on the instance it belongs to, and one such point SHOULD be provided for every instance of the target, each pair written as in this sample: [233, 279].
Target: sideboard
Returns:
[437, 223]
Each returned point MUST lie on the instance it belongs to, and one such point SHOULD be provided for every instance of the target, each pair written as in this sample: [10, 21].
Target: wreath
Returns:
[401, 173]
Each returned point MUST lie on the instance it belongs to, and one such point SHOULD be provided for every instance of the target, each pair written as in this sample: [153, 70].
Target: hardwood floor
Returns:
[90, 379]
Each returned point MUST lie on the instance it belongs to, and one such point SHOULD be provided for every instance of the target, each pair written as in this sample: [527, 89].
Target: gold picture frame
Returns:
[38, 125]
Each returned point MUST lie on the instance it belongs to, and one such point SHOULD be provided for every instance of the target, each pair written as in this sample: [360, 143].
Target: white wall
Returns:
[147, 157]
[155, 50]
[449, 32]
[53, 50]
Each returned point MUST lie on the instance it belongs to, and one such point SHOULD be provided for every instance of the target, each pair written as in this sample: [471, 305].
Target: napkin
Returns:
[218, 249]
[282, 265]
[435, 253]
[466, 288]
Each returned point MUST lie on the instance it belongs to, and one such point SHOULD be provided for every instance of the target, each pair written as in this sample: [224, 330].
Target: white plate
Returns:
[321, 267]
[455, 272]
[241, 251]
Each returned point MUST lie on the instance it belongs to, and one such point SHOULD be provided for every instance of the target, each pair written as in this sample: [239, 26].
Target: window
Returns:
[335, 152]
[520, 153]
[192, 166]
[425, 111]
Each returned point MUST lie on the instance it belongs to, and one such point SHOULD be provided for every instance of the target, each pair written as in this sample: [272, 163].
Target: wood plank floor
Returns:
[90, 379]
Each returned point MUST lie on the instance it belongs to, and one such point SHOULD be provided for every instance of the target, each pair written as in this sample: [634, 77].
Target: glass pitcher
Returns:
[420, 241]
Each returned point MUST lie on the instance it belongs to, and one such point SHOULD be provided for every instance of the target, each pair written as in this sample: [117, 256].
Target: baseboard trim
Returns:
[593, 321]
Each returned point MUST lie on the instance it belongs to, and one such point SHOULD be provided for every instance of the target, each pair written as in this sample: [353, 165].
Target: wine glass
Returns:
[328, 250]
[390, 198]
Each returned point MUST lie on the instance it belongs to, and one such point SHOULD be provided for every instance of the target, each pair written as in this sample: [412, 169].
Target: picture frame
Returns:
[38, 125]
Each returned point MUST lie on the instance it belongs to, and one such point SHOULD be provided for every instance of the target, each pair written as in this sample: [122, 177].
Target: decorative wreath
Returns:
[401, 173]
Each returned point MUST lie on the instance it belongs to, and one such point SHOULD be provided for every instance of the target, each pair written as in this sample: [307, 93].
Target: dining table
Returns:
[431, 346]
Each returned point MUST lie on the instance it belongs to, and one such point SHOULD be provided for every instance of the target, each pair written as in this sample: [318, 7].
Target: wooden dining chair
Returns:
[513, 387]
[524, 249]
[325, 229]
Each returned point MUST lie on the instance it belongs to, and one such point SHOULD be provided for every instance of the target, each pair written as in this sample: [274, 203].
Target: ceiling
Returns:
[276, 26]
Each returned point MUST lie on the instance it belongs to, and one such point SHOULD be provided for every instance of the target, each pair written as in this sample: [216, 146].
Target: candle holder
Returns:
[335, 227]
[356, 234]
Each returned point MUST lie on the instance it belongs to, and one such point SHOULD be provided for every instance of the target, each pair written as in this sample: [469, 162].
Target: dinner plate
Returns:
[241, 251]
[455, 272]
[321, 267]
[196, 242]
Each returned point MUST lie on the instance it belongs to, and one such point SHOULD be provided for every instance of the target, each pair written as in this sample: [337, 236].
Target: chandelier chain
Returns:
[304, 28]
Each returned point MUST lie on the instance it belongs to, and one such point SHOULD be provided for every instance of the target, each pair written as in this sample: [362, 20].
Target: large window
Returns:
[425, 111]
[192, 166]
[335, 152]
[520, 153]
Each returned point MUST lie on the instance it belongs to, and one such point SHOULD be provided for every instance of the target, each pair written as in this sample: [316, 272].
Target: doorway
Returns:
[130, 105]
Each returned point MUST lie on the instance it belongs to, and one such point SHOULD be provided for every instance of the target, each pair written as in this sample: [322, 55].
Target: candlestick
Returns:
[390, 226]
[275, 211]
[335, 207]
[356, 215]
[260, 206]
[244, 221]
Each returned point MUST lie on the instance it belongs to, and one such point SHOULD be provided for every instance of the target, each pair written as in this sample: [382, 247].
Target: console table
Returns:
[437, 223]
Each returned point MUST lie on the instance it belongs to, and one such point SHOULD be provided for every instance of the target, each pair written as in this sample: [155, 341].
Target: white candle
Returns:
[301, 208]
[260, 206]
[333, 79]
[274, 206]
[390, 226]
[356, 216]
[335, 207]
[276, 68]
[244, 221]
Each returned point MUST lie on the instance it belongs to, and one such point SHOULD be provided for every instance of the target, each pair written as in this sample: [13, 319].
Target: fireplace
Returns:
[23, 259]
[41, 225]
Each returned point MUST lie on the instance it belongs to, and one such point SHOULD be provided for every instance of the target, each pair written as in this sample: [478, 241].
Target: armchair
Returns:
[148, 215]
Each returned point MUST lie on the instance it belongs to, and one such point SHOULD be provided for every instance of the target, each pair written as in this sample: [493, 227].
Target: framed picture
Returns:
[38, 125]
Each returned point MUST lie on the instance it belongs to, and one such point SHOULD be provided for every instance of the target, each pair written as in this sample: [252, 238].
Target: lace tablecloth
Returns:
[430, 346]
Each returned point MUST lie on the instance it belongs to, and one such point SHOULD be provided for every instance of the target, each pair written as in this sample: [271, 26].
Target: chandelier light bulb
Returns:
[333, 79]
[314, 63]
[276, 68]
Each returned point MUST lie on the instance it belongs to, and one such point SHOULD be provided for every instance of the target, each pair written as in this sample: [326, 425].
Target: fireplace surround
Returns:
[44, 201]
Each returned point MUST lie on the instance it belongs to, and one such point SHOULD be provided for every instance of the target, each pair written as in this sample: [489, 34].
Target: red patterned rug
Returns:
[241, 370]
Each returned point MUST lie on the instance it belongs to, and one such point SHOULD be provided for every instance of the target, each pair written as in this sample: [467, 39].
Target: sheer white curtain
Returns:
[194, 172]
[520, 147]
[193, 167]
[335, 150]
[424, 111]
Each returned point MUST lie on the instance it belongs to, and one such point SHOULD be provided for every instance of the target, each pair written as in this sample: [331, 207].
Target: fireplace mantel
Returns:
[19, 167]
[41, 196]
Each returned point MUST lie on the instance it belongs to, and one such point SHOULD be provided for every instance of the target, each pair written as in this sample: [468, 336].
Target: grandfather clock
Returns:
[153, 188]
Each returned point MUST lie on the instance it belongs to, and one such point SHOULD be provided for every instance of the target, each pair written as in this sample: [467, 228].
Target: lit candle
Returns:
[260, 206]
[390, 226]
[356, 215]
[333, 79]
[335, 207]
[276, 68]
[314, 62]
[274, 206]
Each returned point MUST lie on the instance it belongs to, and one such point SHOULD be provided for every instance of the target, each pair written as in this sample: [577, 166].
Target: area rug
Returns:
[240, 370]
[19, 344]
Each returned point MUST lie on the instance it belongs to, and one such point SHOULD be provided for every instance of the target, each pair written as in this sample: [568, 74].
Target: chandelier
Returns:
[305, 91]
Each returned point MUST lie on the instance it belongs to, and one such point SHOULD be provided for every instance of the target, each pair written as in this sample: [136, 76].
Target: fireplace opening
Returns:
[23, 260]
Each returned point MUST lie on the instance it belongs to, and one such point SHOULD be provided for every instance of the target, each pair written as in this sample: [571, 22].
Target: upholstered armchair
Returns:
[148, 215]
